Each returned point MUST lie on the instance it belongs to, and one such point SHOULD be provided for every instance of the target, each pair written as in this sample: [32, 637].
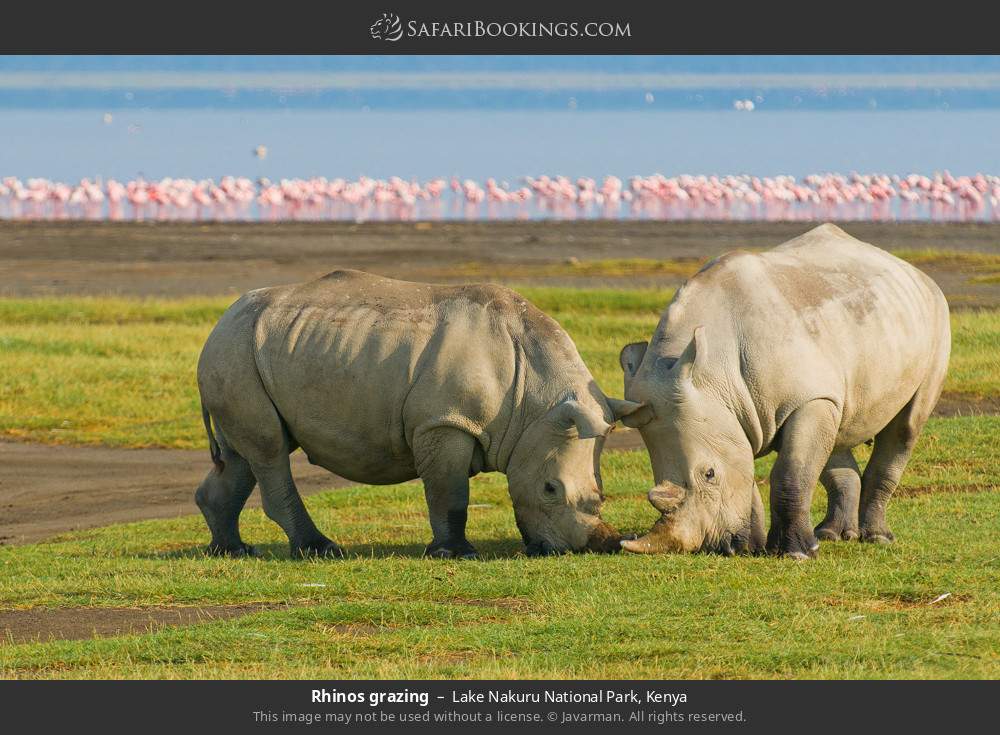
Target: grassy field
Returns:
[978, 267]
[122, 373]
[858, 611]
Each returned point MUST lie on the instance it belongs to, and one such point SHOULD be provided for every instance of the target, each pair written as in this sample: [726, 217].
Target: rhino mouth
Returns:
[604, 539]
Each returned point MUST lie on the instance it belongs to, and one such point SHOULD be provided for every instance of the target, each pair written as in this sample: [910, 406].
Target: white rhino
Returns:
[808, 350]
[382, 381]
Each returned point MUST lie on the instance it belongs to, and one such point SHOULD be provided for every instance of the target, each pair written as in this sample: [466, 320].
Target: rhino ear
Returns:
[639, 418]
[630, 413]
[695, 355]
[621, 408]
[589, 424]
[631, 357]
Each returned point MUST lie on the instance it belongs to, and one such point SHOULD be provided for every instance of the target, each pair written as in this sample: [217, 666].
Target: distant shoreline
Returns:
[494, 90]
[484, 80]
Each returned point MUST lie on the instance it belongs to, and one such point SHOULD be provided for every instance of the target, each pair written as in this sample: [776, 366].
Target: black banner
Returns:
[451, 27]
[569, 707]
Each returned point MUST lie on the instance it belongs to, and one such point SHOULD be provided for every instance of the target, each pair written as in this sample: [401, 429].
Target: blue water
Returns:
[71, 144]
[491, 116]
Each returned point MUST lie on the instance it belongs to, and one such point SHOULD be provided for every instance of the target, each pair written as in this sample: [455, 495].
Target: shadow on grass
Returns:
[488, 550]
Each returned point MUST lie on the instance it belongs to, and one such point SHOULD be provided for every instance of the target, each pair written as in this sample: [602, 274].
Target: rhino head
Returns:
[702, 460]
[554, 476]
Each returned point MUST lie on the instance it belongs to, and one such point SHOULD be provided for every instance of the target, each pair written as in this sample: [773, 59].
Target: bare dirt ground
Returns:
[80, 623]
[175, 259]
[46, 490]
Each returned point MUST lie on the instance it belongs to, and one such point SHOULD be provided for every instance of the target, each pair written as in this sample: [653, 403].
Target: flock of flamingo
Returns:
[829, 196]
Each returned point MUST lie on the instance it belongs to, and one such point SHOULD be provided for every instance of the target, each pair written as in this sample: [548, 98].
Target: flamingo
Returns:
[942, 195]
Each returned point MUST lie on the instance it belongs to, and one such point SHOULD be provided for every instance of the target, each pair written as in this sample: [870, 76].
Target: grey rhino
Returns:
[383, 381]
[808, 350]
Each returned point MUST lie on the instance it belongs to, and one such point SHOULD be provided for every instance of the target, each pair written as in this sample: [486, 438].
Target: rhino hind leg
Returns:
[893, 447]
[444, 456]
[807, 439]
[283, 505]
[221, 497]
[842, 480]
[256, 432]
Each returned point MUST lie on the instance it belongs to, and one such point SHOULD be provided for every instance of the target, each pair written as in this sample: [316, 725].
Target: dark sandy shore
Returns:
[177, 259]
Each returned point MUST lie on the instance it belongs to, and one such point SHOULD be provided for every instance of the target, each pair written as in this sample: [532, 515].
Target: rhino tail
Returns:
[213, 443]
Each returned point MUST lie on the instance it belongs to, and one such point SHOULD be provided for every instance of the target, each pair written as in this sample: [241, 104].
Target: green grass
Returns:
[121, 372]
[989, 278]
[984, 267]
[960, 259]
[607, 268]
[859, 611]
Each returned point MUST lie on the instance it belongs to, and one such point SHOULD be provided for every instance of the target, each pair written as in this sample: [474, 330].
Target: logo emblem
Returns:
[387, 28]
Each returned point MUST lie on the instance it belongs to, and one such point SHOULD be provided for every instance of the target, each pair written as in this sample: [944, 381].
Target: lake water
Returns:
[71, 144]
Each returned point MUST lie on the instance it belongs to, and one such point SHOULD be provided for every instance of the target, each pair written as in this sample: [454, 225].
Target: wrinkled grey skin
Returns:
[808, 349]
[383, 381]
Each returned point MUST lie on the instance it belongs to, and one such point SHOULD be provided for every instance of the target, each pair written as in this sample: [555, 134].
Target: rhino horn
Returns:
[655, 542]
[665, 498]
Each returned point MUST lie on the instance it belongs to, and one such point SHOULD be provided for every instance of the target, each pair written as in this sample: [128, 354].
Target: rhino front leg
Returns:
[444, 457]
[807, 439]
[842, 480]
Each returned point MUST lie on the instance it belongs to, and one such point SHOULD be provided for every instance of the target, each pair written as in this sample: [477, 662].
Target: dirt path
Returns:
[46, 490]
[81, 623]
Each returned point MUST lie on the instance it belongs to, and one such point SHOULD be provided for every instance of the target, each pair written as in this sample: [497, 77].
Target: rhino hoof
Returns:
[877, 537]
[321, 550]
[833, 533]
[801, 545]
[544, 548]
[799, 555]
[456, 551]
[235, 552]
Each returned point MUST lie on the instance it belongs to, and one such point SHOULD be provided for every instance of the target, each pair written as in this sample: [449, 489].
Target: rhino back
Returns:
[821, 316]
[356, 364]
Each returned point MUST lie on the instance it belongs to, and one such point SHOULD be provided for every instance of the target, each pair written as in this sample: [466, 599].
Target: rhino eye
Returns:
[550, 488]
[710, 474]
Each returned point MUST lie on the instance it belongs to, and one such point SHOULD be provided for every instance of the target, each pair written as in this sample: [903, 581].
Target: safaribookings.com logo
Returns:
[387, 28]
[390, 28]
